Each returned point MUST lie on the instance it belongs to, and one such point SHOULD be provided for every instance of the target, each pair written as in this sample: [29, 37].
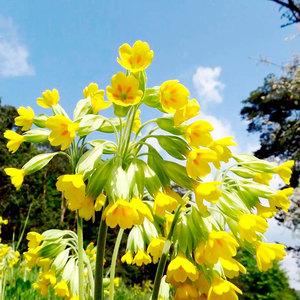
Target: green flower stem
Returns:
[101, 241]
[163, 260]
[113, 263]
[80, 257]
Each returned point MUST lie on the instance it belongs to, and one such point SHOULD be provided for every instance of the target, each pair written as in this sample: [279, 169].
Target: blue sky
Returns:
[206, 44]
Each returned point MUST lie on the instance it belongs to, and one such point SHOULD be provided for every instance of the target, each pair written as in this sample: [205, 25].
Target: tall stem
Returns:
[98, 295]
[80, 257]
[113, 264]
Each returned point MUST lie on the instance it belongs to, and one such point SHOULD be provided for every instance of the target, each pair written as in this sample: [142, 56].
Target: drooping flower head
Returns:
[142, 209]
[232, 267]
[263, 178]
[17, 176]
[87, 209]
[49, 98]
[281, 200]
[189, 111]
[163, 203]
[285, 171]
[124, 90]
[127, 257]
[34, 239]
[197, 134]
[141, 258]
[15, 140]
[186, 291]
[136, 58]
[25, 118]
[61, 289]
[155, 248]
[222, 289]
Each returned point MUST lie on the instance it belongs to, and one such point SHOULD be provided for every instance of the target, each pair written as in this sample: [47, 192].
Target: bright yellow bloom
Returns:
[249, 225]
[100, 201]
[221, 148]
[281, 199]
[31, 257]
[87, 210]
[117, 281]
[41, 288]
[267, 253]
[49, 99]
[189, 111]
[16, 176]
[173, 96]
[163, 203]
[180, 269]
[186, 291]
[3, 221]
[141, 258]
[169, 219]
[232, 267]
[73, 188]
[124, 90]
[208, 191]
[285, 171]
[121, 213]
[263, 178]
[74, 298]
[136, 122]
[142, 209]
[222, 289]
[96, 97]
[202, 284]
[61, 289]
[136, 58]
[127, 257]
[25, 118]
[44, 263]
[34, 239]
[156, 247]
[198, 160]
[63, 131]
[197, 134]
[266, 212]
[15, 140]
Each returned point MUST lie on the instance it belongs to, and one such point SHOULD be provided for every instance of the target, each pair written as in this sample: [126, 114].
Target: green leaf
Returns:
[83, 107]
[88, 124]
[167, 124]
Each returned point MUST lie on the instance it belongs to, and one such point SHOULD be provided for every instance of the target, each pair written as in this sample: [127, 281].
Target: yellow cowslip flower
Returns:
[73, 188]
[208, 191]
[263, 178]
[44, 263]
[34, 239]
[221, 148]
[180, 269]
[142, 209]
[156, 247]
[117, 281]
[197, 134]
[41, 288]
[75, 297]
[3, 221]
[124, 90]
[222, 289]
[267, 253]
[31, 257]
[61, 289]
[87, 209]
[49, 98]
[96, 97]
[202, 284]
[127, 257]
[189, 111]
[168, 222]
[121, 213]
[25, 118]
[136, 58]
[45, 279]
[186, 291]
[198, 160]
[280, 199]
[15, 140]
[249, 225]
[63, 131]
[163, 203]
[100, 201]
[232, 267]
[285, 171]
[266, 212]
[16, 176]
[136, 122]
[173, 96]
[141, 258]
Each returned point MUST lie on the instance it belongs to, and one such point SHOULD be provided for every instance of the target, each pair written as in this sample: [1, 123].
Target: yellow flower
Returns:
[197, 134]
[156, 247]
[136, 58]
[121, 213]
[189, 111]
[25, 118]
[208, 191]
[163, 203]
[87, 210]
[141, 258]
[41, 288]
[198, 160]
[74, 298]
[44, 263]
[124, 90]
[173, 96]
[61, 289]
[281, 199]
[263, 178]
[180, 269]
[100, 201]
[136, 122]
[142, 209]
[73, 188]
[266, 212]
[232, 267]
[186, 291]
[127, 257]
[49, 99]
[202, 284]
[17, 176]
[222, 289]
[169, 219]
[15, 140]
[96, 97]
[31, 257]
[117, 281]
[63, 131]
[34, 239]
[249, 225]
[285, 171]
[267, 253]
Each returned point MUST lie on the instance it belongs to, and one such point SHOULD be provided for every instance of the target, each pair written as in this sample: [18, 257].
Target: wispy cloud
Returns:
[13, 54]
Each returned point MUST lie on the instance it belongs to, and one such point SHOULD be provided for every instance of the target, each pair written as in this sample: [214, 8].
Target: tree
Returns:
[291, 12]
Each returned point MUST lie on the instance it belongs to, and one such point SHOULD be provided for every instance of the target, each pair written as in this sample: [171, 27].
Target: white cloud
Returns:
[207, 84]
[13, 54]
